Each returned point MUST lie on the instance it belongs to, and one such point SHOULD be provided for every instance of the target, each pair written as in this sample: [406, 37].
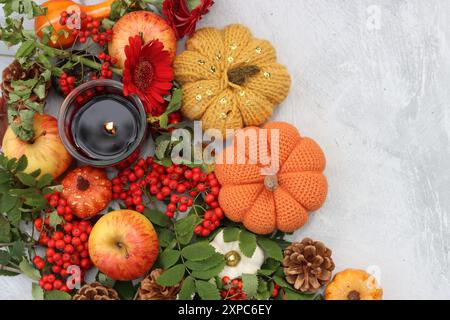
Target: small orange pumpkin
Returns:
[265, 203]
[353, 284]
[87, 191]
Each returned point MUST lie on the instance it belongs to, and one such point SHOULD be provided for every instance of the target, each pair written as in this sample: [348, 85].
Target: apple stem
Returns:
[42, 134]
[120, 245]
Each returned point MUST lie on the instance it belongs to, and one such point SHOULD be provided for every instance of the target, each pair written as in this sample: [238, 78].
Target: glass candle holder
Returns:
[101, 127]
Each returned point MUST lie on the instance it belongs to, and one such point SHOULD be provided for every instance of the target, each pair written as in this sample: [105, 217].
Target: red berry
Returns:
[76, 241]
[67, 238]
[57, 284]
[38, 224]
[68, 227]
[60, 244]
[182, 208]
[225, 280]
[76, 232]
[51, 243]
[198, 229]
[56, 269]
[140, 208]
[69, 248]
[209, 198]
[48, 287]
[169, 214]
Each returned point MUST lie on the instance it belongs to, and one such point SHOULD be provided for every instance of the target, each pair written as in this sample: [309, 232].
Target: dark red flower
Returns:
[181, 18]
[148, 73]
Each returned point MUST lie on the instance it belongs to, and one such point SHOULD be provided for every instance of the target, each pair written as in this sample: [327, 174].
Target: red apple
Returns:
[149, 24]
[46, 151]
[123, 245]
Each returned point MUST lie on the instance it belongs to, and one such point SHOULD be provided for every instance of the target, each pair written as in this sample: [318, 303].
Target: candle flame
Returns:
[110, 128]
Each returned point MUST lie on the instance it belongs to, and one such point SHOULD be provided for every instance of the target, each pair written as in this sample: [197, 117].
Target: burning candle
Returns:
[100, 126]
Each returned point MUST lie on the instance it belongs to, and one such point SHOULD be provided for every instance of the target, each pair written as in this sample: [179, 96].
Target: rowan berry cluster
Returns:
[88, 27]
[232, 289]
[66, 246]
[180, 185]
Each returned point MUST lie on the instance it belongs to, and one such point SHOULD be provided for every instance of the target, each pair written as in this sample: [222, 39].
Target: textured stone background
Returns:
[370, 84]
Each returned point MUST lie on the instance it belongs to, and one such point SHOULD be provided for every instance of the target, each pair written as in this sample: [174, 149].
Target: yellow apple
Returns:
[46, 151]
[123, 245]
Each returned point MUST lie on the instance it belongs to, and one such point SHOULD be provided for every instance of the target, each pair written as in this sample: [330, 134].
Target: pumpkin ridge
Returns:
[280, 187]
[316, 202]
[292, 224]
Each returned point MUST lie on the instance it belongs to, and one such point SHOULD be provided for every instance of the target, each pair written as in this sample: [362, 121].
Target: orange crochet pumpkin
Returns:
[265, 203]
[87, 191]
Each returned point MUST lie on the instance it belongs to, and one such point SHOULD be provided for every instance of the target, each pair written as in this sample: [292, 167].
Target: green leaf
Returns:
[209, 263]
[175, 101]
[17, 251]
[294, 295]
[5, 177]
[125, 289]
[57, 295]
[25, 49]
[45, 181]
[161, 149]
[36, 291]
[281, 282]
[198, 251]
[105, 280]
[172, 276]
[22, 163]
[184, 228]
[210, 273]
[5, 230]
[157, 217]
[231, 234]
[271, 248]
[192, 4]
[264, 290]
[207, 290]
[168, 258]
[8, 202]
[250, 284]
[15, 215]
[28, 270]
[163, 121]
[187, 289]
[4, 257]
[55, 219]
[247, 243]
[165, 237]
[26, 179]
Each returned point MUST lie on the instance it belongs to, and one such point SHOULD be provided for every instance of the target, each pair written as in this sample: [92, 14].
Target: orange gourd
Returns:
[353, 284]
[87, 191]
[282, 200]
[55, 7]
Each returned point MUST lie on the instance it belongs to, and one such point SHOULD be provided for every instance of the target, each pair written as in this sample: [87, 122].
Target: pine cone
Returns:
[150, 290]
[308, 265]
[15, 72]
[96, 291]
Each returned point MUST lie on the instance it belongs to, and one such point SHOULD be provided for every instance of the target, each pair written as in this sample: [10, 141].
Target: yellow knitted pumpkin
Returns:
[230, 79]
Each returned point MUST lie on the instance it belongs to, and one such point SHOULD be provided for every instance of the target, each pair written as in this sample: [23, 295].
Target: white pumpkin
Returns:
[237, 263]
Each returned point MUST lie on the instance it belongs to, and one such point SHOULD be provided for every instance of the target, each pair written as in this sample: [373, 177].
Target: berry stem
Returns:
[9, 269]
[75, 58]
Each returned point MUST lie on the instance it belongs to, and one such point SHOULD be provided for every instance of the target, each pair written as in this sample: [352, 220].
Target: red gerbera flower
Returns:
[181, 18]
[148, 73]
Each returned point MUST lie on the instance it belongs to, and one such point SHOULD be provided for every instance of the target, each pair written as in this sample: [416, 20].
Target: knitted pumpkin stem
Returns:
[240, 74]
[271, 183]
